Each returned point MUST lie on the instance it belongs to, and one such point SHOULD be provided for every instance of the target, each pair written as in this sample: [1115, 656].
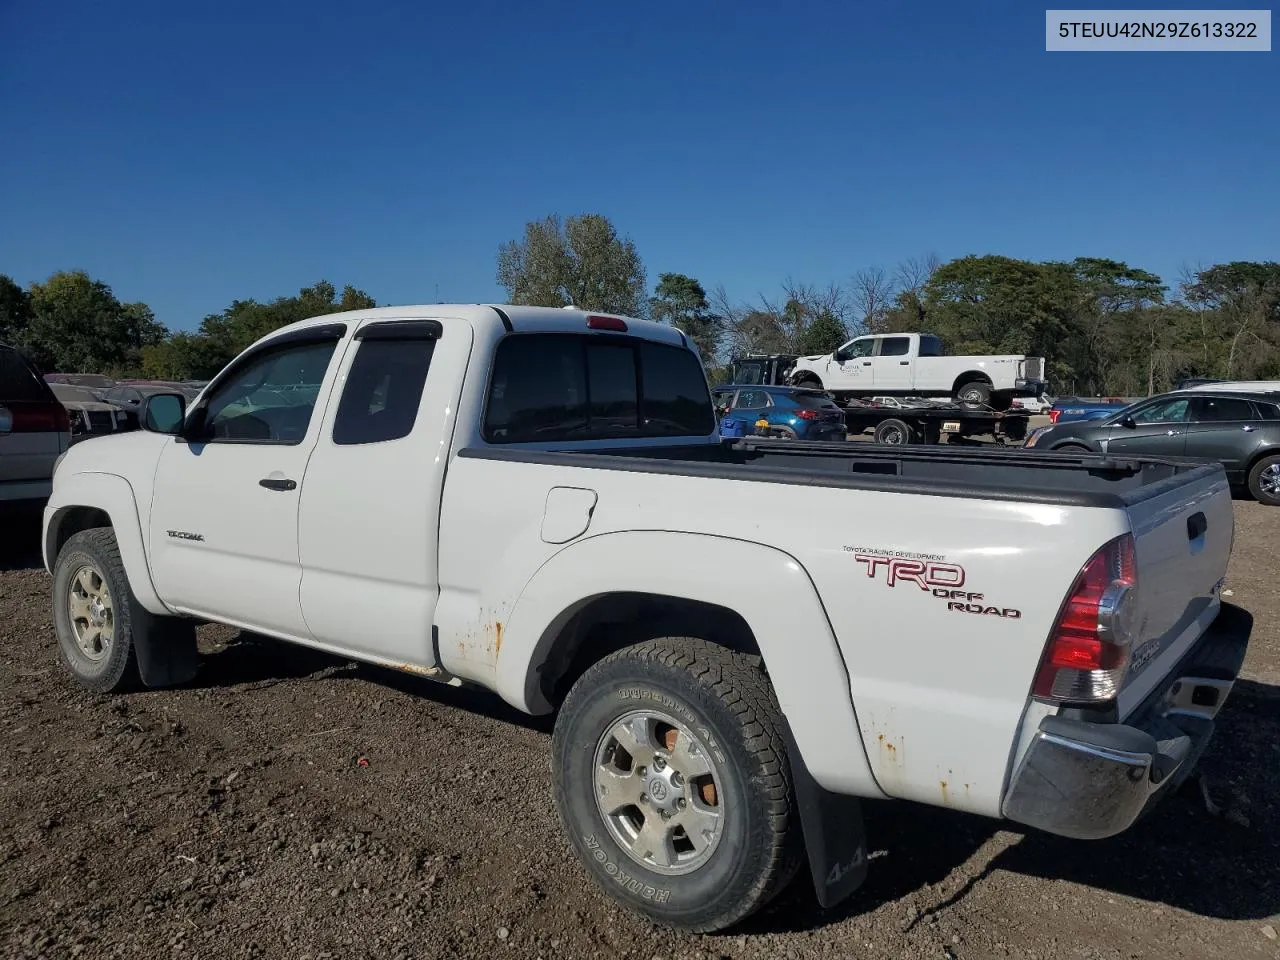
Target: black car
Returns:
[1242, 430]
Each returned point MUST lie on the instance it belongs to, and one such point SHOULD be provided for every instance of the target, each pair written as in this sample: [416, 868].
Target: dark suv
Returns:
[1240, 430]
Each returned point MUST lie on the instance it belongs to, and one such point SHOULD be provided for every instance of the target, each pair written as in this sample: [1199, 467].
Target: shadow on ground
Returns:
[20, 539]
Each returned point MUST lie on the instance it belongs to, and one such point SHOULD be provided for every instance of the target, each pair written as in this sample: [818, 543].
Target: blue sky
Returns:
[191, 154]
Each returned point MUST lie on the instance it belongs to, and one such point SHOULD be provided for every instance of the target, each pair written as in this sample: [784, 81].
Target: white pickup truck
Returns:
[739, 639]
[914, 364]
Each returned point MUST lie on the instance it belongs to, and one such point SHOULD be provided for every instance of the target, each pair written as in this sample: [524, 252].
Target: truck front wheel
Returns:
[106, 638]
[91, 613]
[673, 784]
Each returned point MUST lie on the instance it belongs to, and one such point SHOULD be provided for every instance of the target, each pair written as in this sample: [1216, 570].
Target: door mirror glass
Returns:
[163, 412]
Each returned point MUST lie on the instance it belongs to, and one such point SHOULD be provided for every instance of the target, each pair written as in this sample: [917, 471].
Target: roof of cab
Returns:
[522, 319]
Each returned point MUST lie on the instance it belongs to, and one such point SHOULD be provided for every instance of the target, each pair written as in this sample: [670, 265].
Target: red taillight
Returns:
[807, 414]
[1054, 415]
[37, 417]
[1088, 650]
[595, 322]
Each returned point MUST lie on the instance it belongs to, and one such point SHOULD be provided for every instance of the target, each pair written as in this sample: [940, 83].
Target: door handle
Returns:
[866, 363]
[903, 363]
[275, 483]
[1171, 433]
[1197, 524]
[1247, 428]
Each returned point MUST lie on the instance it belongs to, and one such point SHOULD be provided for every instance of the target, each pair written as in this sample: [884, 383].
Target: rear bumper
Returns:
[1091, 780]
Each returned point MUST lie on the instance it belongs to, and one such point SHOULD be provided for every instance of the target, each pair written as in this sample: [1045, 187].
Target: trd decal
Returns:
[933, 575]
[183, 535]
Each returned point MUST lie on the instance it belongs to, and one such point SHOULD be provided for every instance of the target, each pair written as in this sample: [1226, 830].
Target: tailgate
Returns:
[1183, 540]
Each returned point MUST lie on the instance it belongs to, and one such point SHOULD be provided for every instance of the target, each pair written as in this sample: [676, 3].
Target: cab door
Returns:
[891, 365]
[224, 511]
[1158, 428]
[369, 523]
[850, 366]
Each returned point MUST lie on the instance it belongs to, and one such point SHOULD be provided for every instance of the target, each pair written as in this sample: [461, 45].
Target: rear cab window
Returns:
[549, 387]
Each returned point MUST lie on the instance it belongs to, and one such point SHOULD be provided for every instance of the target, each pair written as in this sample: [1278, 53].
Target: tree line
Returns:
[1104, 327]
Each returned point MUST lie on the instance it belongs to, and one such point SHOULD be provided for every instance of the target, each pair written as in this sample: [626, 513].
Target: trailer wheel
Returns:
[895, 431]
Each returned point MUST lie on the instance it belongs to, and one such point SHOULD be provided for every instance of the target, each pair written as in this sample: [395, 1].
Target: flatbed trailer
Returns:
[929, 423]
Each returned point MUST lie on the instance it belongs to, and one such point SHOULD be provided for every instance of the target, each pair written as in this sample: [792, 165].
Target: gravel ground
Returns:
[291, 805]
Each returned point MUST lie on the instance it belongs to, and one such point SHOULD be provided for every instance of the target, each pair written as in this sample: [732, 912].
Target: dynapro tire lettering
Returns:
[936, 578]
[633, 884]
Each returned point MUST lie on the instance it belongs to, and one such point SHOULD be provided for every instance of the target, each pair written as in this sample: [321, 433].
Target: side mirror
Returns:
[1129, 423]
[163, 413]
[839, 355]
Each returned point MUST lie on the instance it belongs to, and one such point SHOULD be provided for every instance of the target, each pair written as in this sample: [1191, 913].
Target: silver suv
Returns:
[34, 431]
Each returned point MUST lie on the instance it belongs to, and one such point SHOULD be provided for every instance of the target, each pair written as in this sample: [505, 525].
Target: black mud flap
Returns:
[165, 647]
[833, 834]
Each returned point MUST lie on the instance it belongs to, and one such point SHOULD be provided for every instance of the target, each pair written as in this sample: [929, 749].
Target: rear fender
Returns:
[780, 605]
[114, 496]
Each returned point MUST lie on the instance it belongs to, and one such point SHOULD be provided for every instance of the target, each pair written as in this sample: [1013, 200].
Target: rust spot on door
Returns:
[497, 645]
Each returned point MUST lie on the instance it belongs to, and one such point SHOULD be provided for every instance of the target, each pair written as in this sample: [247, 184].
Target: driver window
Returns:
[1166, 411]
[860, 348]
[271, 398]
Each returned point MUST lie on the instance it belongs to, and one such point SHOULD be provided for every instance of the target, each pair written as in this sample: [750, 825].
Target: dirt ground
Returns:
[287, 804]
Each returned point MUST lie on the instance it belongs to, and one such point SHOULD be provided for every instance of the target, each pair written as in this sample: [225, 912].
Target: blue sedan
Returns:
[796, 413]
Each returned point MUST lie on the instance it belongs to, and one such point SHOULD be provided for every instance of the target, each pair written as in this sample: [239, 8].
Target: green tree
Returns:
[580, 261]
[78, 325]
[823, 335]
[227, 333]
[682, 302]
[15, 310]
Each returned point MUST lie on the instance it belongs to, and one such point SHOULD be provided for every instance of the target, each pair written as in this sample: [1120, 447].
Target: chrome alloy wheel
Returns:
[659, 792]
[1269, 480]
[92, 614]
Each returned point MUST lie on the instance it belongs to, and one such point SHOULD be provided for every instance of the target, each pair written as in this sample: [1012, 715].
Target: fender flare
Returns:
[971, 376]
[788, 620]
[114, 496]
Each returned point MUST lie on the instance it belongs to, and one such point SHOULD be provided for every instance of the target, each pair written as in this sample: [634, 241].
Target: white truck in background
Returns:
[915, 365]
[536, 501]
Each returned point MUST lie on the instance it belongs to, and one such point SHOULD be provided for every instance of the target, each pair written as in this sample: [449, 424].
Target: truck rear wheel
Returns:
[974, 394]
[673, 784]
[894, 431]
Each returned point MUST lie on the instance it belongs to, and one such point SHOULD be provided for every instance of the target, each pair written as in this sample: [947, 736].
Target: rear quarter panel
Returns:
[939, 691]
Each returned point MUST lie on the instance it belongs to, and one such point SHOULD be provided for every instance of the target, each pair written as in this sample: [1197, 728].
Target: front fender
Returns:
[114, 496]
[780, 605]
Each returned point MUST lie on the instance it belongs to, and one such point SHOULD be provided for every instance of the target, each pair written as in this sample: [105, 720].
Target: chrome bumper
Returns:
[1090, 780]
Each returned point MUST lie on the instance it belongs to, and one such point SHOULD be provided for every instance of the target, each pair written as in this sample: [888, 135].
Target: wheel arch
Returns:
[969, 376]
[86, 500]
[556, 630]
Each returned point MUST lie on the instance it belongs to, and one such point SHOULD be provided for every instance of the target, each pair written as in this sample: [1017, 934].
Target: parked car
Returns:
[1035, 406]
[1239, 430]
[914, 364]
[90, 417]
[95, 383]
[792, 412]
[1066, 409]
[1238, 386]
[34, 431]
[738, 640]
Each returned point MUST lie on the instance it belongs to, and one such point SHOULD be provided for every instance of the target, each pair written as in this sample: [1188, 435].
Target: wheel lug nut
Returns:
[676, 779]
[658, 763]
[641, 771]
[644, 798]
[682, 803]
